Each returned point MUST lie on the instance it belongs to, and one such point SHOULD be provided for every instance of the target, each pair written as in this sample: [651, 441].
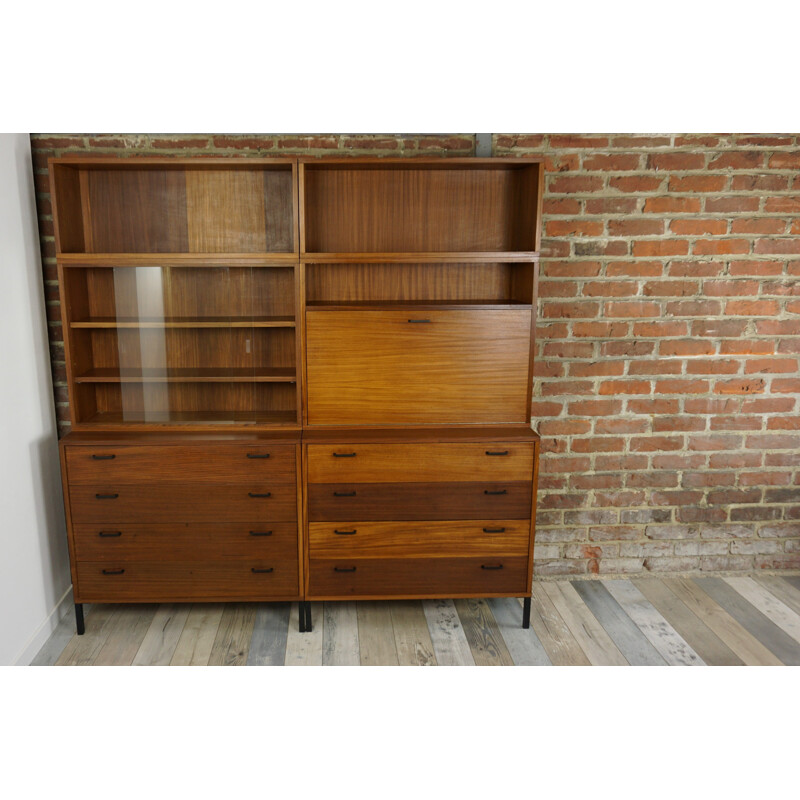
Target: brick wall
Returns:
[667, 383]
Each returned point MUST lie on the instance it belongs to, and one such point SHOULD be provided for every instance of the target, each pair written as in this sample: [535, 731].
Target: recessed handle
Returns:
[344, 494]
[419, 321]
[107, 496]
[494, 530]
[259, 494]
[491, 566]
[344, 569]
[345, 533]
[261, 570]
[261, 533]
[113, 571]
[103, 457]
[258, 455]
[344, 455]
[110, 534]
[499, 491]
[497, 452]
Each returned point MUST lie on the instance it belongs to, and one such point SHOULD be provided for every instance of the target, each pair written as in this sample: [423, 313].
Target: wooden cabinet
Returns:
[298, 379]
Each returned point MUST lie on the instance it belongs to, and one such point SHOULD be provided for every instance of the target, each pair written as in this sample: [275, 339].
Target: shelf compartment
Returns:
[199, 260]
[184, 375]
[112, 420]
[408, 206]
[196, 322]
[417, 256]
[136, 207]
[422, 283]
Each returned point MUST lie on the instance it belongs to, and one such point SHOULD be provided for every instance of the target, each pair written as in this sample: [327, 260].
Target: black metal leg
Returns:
[308, 617]
[526, 612]
[79, 623]
[301, 612]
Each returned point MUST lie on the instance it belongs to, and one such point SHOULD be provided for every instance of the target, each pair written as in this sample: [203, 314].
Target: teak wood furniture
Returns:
[298, 379]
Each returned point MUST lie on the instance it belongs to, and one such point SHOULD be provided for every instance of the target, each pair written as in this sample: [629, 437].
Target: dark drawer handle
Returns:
[344, 455]
[258, 455]
[261, 533]
[344, 494]
[497, 452]
[113, 571]
[110, 534]
[260, 494]
[344, 569]
[345, 533]
[419, 320]
[491, 566]
[499, 491]
[494, 530]
[107, 496]
[103, 457]
[259, 571]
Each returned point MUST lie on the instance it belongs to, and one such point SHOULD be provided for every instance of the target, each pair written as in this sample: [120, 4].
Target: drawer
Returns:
[420, 501]
[417, 365]
[186, 542]
[418, 539]
[395, 463]
[135, 503]
[155, 582]
[415, 577]
[220, 463]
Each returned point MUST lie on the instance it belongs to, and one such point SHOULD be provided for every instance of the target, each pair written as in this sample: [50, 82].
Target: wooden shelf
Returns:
[413, 257]
[443, 305]
[114, 419]
[178, 259]
[176, 322]
[187, 375]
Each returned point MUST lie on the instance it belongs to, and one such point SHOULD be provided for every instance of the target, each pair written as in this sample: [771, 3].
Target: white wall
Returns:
[34, 565]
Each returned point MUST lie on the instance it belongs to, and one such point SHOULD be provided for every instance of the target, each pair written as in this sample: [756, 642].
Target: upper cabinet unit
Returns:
[421, 206]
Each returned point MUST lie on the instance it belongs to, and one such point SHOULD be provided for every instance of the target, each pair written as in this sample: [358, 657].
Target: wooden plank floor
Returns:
[641, 622]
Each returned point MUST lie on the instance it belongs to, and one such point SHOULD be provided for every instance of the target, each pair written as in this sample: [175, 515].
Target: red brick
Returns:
[728, 205]
[535, 140]
[675, 498]
[682, 423]
[571, 269]
[758, 226]
[567, 387]
[712, 367]
[741, 386]
[573, 184]
[553, 330]
[785, 288]
[565, 464]
[545, 408]
[615, 426]
[610, 289]
[600, 330]
[785, 160]
[627, 348]
[242, 142]
[770, 365]
[176, 143]
[698, 227]
[611, 205]
[759, 183]
[686, 347]
[769, 246]
[598, 444]
[574, 227]
[698, 183]
[772, 441]
[758, 347]
[671, 288]
[782, 205]
[560, 205]
[752, 308]
[730, 288]
[758, 268]
[636, 183]
[568, 350]
[694, 308]
[681, 387]
[370, 143]
[734, 460]
[615, 247]
[677, 161]
[660, 367]
[595, 408]
[660, 329]
[660, 247]
[605, 481]
[558, 289]
[740, 422]
[768, 405]
[564, 427]
[784, 423]
[765, 141]
[634, 269]
[696, 480]
[715, 442]
[56, 142]
[764, 478]
[712, 405]
[673, 205]
[561, 501]
[589, 369]
[441, 143]
[620, 463]
[618, 162]
[775, 327]
[548, 369]
[697, 140]
[635, 226]
[575, 140]
[716, 247]
[738, 159]
[624, 387]
[640, 308]
[731, 496]
[662, 480]
[679, 461]
[576, 310]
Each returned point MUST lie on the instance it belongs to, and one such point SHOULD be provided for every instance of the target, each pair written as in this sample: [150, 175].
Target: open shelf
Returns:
[199, 260]
[432, 258]
[186, 322]
[366, 305]
[186, 375]
[114, 419]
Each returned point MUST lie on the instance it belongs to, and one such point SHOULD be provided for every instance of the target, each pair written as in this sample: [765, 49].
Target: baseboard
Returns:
[45, 630]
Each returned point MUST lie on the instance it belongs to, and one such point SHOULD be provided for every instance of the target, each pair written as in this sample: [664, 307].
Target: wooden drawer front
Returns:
[396, 463]
[422, 501]
[418, 539]
[382, 367]
[224, 463]
[154, 581]
[198, 542]
[421, 577]
[109, 503]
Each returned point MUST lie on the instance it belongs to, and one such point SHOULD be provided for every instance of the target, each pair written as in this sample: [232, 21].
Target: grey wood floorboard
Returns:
[82, 650]
[232, 643]
[305, 649]
[130, 626]
[340, 647]
[750, 618]
[376, 634]
[633, 644]
[784, 591]
[52, 649]
[794, 580]
[483, 635]
[768, 604]
[412, 638]
[558, 640]
[162, 636]
[524, 645]
[705, 642]
[449, 642]
[270, 631]
[198, 635]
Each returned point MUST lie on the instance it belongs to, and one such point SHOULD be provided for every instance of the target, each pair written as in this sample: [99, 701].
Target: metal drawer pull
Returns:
[497, 452]
[345, 533]
[344, 569]
[103, 457]
[113, 571]
[500, 491]
[260, 494]
[110, 534]
[419, 320]
[494, 530]
[491, 566]
[261, 533]
[258, 571]
[344, 494]
[258, 455]
[344, 455]
[107, 496]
